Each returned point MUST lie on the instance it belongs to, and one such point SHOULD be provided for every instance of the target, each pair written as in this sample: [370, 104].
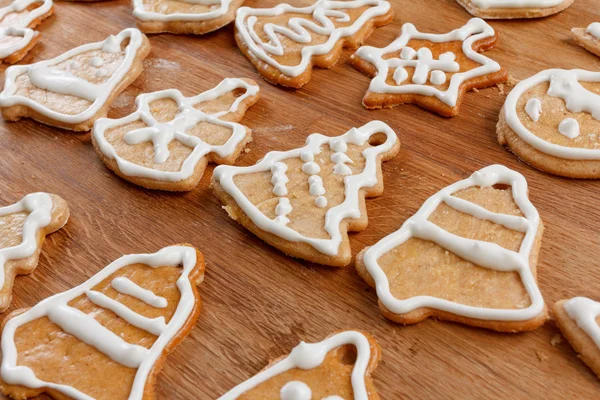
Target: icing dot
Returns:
[339, 146]
[448, 56]
[279, 167]
[280, 190]
[342, 169]
[569, 127]
[408, 53]
[333, 398]
[307, 156]
[283, 220]
[321, 202]
[96, 62]
[400, 75]
[438, 77]
[311, 168]
[340, 158]
[102, 72]
[533, 108]
[284, 207]
[316, 185]
[74, 64]
[295, 390]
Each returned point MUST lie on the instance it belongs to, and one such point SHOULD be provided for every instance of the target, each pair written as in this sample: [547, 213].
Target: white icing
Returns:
[161, 134]
[475, 30]
[299, 29]
[218, 9]
[516, 3]
[295, 390]
[311, 168]
[279, 179]
[333, 398]
[349, 208]
[101, 73]
[585, 312]
[74, 64]
[408, 53]
[124, 285]
[316, 187]
[87, 329]
[569, 127]
[96, 62]
[39, 209]
[594, 29]
[533, 108]
[485, 254]
[48, 77]
[284, 207]
[565, 85]
[307, 356]
[321, 201]
[21, 27]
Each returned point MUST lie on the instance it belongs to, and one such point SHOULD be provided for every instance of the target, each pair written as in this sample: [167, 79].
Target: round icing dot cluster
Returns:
[340, 158]
[315, 183]
[297, 390]
[279, 181]
[425, 66]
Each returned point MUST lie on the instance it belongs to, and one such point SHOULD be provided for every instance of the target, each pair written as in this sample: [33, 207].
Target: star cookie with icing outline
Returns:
[513, 9]
[167, 143]
[304, 201]
[468, 255]
[588, 38]
[431, 70]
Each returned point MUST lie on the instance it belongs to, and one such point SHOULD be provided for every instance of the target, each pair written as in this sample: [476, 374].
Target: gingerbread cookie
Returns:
[17, 21]
[552, 122]
[511, 9]
[337, 368]
[74, 89]
[108, 337]
[304, 201]
[579, 321]
[23, 228]
[431, 70]
[469, 255]
[285, 42]
[167, 143]
[184, 16]
[588, 38]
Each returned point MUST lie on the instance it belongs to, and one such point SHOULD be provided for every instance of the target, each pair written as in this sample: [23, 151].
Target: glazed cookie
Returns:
[108, 337]
[511, 9]
[337, 368]
[552, 122]
[184, 16]
[431, 70]
[579, 322]
[469, 255]
[74, 89]
[23, 228]
[588, 38]
[17, 21]
[167, 143]
[304, 201]
[285, 42]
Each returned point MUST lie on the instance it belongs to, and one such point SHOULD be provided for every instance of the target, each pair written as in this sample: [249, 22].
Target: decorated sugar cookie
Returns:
[579, 322]
[337, 368]
[511, 9]
[74, 89]
[108, 337]
[17, 21]
[167, 143]
[23, 228]
[184, 16]
[552, 122]
[468, 255]
[588, 38]
[431, 70]
[285, 42]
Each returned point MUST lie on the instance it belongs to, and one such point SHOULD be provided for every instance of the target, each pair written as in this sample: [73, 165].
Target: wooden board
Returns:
[258, 303]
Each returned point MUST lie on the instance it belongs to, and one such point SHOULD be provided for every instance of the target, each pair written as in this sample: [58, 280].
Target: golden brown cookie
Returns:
[108, 337]
[431, 70]
[337, 368]
[285, 42]
[74, 89]
[23, 228]
[469, 255]
[588, 38]
[512, 9]
[167, 143]
[304, 201]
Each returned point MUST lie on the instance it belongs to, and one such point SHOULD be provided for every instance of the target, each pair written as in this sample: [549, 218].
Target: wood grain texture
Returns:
[258, 303]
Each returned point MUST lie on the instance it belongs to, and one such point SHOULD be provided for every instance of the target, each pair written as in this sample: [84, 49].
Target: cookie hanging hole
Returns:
[349, 355]
[501, 186]
[239, 92]
[377, 139]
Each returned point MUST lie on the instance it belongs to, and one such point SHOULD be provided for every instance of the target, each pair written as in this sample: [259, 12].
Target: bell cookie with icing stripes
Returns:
[74, 89]
[184, 16]
[552, 122]
[588, 38]
[23, 228]
[285, 42]
[579, 321]
[512, 9]
[304, 201]
[431, 70]
[337, 368]
[17, 21]
[108, 337]
[469, 255]
[167, 143]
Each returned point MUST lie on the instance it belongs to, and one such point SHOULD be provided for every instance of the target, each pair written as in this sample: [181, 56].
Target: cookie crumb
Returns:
[541, 356]
[246, 150]
[556, 340]
[476, 90]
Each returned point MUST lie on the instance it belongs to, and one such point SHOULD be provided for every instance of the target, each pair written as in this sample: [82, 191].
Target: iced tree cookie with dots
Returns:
[468, 255]
[588, 38]
[285, 42]
[108, 337]
[338, 368]
[431, 70]
[184, 16]
[512, 9]
[17, 21]
[552, 122]
[579, 321]
[167, 143]
[74, 89]
[304, 201]
[23, 228]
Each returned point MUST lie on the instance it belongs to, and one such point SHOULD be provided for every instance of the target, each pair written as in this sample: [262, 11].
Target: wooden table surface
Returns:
[258, 303]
